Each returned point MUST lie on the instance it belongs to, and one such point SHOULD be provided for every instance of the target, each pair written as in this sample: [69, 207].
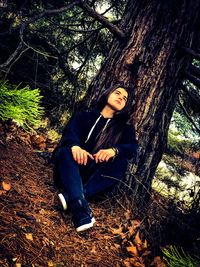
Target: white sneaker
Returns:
[63, 201]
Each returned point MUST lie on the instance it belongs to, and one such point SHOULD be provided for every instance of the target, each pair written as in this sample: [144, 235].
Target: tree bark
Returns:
[152, 61]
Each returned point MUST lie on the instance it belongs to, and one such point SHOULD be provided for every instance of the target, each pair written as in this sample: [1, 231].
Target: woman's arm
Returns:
[73, 131]
[128, 145]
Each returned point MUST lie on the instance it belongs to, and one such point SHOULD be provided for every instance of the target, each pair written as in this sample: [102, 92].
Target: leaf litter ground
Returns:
[35, 232]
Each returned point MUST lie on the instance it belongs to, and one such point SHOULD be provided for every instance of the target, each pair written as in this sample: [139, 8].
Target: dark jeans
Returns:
[80, 181]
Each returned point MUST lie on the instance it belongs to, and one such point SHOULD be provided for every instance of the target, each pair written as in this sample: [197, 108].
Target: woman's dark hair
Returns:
[111, 135]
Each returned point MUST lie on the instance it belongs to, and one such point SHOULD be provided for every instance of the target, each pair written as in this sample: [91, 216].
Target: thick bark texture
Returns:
[150, 59]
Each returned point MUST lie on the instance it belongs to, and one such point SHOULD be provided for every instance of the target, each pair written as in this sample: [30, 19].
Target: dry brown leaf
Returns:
[93, 250]
[146, 253]
[117, 246]
[6, 186]
[127, 263]
[135, 223]
[138, 242]
[158, 262]
[2, 192]
[38, 141]
[145, 244]
[132, 250]
[50, 263]
[131, 230]
[107, 237]
[29, 236]
[117, 231]
[128, 214]
[133, 262]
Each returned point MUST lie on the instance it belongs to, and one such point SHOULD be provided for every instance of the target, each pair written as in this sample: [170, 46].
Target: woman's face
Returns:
[117, 99]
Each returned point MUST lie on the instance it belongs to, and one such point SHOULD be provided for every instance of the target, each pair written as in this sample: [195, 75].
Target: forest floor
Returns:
[35, 232]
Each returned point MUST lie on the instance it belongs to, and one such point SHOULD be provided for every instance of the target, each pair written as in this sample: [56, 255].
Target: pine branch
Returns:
[17, 51]
[82, 31]
[193, 95]
[20, 104]
[50, 12]
[29, 21]
[188, 116]
[192, 53]
[78, 44]
[194, 71]
[192, 79]
[109, 25]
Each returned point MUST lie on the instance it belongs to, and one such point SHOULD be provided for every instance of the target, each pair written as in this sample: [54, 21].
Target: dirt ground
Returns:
[35, 232]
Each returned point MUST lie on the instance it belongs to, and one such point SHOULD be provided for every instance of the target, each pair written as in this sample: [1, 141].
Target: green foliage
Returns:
[178, 258]
[22, 105]
[176, 143]
[181, 123]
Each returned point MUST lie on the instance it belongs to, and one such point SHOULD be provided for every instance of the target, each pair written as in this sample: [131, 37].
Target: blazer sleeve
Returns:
[128, 146]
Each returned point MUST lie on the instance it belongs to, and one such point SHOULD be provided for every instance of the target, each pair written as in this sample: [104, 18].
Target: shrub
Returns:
[178, 258]
[22, 105]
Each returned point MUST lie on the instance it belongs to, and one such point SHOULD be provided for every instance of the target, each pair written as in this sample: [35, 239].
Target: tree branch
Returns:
[77, 44]
[192, 95]
[109, 25]
[192, 53]
[31, 20]
[82, 31]
[17, 50]
[194, 71]
[192, 79]
[51, 12]
[188, 116]
[87, 56]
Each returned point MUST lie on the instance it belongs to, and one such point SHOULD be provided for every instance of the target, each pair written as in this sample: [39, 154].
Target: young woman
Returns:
[93, 153]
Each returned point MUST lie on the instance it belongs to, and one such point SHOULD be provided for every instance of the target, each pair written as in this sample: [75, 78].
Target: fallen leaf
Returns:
[146, 253]
[128, 214]
[117, 246]
[135, 223]
[131, 230]
[2, 192]
[133, 262]
[158, 262]
[145, 244]
[132, 250]
[50, 263]
[6, 186]
[138, 242]
[127, 263]
[38, 141]
[29, 236]
[93, 250]
[117, 231]
[107, 237]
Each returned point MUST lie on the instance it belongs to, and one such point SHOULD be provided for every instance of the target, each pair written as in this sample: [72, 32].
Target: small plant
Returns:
[22, 105]
[178, 258]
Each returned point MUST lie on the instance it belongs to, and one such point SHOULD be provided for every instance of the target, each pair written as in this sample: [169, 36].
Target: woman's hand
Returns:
[80, 155]
[104, 155]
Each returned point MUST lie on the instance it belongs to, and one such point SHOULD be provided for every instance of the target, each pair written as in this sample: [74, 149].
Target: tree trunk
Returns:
[151, 60]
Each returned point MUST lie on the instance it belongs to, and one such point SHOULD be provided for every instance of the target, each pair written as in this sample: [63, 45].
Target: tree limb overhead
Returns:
[110, 26]
[192, 53]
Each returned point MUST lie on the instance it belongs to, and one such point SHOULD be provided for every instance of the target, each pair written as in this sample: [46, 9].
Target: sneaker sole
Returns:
[86, 226]
[62, 201]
